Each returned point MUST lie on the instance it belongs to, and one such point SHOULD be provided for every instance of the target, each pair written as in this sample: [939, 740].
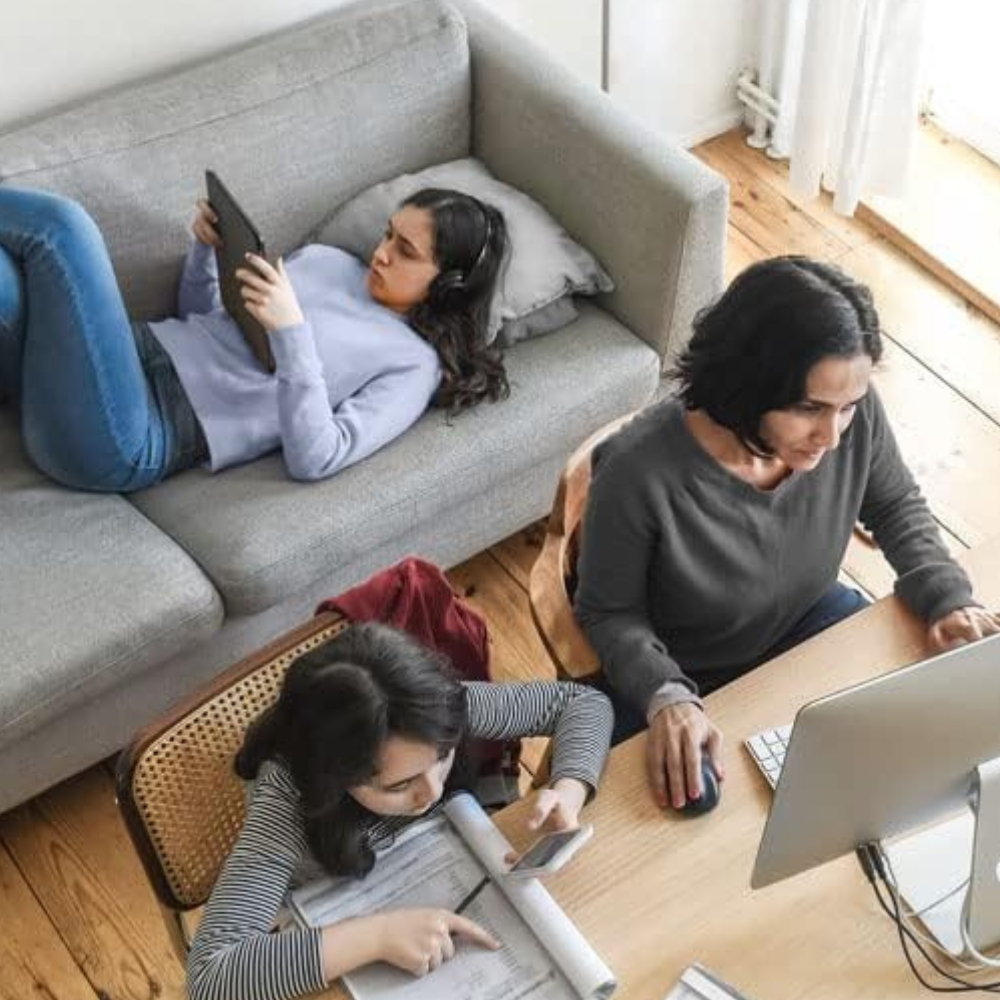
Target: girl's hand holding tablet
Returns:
[268, 294]
[204, 223]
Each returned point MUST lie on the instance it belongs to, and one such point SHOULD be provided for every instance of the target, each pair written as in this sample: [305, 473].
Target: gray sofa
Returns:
[113, 607]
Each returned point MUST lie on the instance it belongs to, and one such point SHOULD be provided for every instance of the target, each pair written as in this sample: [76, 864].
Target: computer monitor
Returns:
[887, 756]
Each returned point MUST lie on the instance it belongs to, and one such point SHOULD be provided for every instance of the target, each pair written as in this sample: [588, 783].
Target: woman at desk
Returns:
[717, 520]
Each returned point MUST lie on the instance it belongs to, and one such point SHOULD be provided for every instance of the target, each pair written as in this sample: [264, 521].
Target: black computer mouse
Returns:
[710, 792]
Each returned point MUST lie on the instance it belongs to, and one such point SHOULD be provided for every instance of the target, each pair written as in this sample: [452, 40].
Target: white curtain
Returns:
[848, 74]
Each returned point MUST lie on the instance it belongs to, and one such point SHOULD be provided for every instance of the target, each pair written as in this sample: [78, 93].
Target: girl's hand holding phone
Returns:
[558, 808]
[556, 811]
[268, 294]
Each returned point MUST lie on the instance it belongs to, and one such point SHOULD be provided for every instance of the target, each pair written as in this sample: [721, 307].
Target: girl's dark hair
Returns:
[338, 704]
[752, 350]
[470, 247]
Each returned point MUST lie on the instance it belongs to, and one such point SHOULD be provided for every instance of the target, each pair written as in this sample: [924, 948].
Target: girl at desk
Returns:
[717, 520]
[370, 731]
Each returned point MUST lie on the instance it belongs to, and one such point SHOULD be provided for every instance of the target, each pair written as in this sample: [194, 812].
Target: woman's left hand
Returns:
[268, 294]
[962, 626]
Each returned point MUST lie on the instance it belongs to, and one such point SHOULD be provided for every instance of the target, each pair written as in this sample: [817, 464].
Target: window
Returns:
[962, 71]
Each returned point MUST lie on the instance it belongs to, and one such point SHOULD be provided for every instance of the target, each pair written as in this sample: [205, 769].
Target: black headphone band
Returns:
[457, 278]
[488, 223]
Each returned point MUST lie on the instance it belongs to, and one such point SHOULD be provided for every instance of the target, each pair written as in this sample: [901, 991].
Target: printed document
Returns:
[436, 863]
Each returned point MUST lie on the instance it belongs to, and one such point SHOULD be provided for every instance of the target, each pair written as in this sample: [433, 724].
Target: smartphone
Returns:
[549, 853]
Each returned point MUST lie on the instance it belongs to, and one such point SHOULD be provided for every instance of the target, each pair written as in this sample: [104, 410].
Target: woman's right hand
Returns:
[419, 940]
[678, 736]
[203, 226]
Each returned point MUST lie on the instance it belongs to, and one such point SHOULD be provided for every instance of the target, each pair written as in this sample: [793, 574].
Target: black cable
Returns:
[907, 937]
[870, 860]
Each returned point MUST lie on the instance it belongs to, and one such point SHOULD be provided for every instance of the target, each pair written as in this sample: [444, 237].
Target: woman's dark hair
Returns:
[338, 705]
[470, 247]
[752, 350]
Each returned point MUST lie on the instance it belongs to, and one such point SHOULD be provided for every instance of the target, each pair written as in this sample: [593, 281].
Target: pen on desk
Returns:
[477, 889]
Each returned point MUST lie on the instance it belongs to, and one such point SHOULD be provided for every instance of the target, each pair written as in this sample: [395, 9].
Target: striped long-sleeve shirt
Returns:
[234, 952]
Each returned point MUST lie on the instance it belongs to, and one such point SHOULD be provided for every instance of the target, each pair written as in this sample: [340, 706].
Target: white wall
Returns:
[54, 51]
[569, 29]
[673, 62]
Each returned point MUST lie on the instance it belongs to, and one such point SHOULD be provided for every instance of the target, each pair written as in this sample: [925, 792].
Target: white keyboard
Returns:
[768, 751]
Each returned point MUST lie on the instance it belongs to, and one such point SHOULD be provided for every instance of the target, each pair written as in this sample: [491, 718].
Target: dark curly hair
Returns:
[752, 350]
[338, 705]
[470, 247]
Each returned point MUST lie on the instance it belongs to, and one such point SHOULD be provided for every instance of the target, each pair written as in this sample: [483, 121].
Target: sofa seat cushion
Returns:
[294, 125]
[90, 593]
[262, 538]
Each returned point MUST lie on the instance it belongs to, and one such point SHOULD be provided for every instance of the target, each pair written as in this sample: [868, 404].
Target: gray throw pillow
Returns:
[545, 267]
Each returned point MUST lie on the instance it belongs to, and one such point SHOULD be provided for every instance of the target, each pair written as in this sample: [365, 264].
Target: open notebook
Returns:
[436, 863]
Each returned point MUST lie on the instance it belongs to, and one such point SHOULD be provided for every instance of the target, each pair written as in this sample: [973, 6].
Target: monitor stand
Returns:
[932, 863]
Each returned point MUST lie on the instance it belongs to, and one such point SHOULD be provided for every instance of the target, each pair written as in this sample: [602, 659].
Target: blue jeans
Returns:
[837, 603]
[92, 416]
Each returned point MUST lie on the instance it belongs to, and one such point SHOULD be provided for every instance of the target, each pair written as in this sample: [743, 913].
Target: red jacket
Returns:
[415, 596]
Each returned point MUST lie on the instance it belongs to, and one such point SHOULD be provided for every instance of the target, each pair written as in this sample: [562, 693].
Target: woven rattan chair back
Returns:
[181, 800]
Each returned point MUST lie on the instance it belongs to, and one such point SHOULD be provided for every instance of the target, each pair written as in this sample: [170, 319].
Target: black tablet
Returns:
[239, 237]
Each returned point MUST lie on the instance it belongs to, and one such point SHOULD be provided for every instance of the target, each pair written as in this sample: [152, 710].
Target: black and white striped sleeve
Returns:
[233, 953]
[578, 718]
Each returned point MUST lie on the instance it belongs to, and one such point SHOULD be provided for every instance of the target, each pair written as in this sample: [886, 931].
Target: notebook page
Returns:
[430, 865]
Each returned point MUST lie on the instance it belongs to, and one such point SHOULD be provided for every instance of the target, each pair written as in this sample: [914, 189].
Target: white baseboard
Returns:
[708, 129]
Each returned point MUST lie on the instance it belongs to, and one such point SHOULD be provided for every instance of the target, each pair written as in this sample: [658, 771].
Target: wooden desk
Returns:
[654, 892]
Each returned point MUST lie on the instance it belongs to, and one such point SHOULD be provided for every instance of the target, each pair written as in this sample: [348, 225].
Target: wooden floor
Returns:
[953, 227]
[79, 923]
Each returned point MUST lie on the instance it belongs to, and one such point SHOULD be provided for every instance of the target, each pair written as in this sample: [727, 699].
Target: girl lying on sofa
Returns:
[370, 730]
[360, 352]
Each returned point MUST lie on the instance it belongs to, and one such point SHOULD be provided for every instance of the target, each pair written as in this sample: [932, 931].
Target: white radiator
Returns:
[768, 91]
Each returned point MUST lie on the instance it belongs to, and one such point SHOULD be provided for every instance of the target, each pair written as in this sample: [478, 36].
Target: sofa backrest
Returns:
[294, 125]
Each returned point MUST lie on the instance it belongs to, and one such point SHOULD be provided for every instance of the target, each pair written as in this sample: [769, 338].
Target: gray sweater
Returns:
[688, 573]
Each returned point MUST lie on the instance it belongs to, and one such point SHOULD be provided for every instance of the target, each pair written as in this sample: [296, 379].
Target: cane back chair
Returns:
[182, 802]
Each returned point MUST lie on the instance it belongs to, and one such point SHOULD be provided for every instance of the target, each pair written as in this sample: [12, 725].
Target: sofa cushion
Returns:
[90, 593]
[294, 125]
[262, 538]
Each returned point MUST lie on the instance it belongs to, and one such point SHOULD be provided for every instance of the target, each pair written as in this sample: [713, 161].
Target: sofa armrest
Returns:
[652, 214]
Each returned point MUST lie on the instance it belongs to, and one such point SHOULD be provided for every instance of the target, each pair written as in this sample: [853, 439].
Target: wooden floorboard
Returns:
[731, 153]
[516, 652]
[72, 848]
[79, 921]
[952, 449]
[34, 961]
[768, 218]
[955, 233]
[517, 554]
[938, 327]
